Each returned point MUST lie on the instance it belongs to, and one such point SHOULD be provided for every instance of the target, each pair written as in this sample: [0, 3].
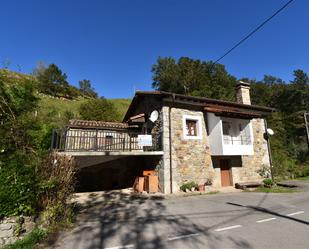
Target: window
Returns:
[236, 132]
[226, 128]
[192, 128]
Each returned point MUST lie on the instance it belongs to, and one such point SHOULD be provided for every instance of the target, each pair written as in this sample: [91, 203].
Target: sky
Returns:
[115, 43]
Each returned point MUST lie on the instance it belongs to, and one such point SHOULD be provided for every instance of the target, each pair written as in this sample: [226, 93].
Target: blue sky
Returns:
[114, 43]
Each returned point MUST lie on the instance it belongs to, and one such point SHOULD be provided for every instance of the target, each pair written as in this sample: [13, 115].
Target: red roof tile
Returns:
[76, 123]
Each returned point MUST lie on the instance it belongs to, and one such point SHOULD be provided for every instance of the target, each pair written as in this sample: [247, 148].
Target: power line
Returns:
[254, 31]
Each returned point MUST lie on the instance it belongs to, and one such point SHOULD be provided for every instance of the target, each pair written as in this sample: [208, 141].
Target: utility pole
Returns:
[307, 129]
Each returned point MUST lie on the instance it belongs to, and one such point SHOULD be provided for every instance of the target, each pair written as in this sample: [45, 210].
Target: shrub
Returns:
[57, 177]
[29, 241]
[17, 186]
[189, 185]
[268, 182]
[99, 109]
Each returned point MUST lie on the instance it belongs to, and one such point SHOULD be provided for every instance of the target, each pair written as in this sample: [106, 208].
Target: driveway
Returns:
[232, 220]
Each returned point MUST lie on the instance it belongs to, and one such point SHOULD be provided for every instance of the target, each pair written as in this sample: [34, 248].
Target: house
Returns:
[182, 138]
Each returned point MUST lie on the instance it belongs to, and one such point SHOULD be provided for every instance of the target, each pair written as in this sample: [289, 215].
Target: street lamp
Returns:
[269, 132]
[306, 123]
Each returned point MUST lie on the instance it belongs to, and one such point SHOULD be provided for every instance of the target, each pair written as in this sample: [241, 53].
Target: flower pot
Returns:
[201, 188]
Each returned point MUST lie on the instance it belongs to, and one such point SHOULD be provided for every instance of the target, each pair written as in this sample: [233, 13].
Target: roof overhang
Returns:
[232, 112]
[224, 107]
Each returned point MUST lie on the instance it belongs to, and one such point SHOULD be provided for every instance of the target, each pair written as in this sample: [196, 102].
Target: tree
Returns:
[39, 69]
[193, 77]
[300, 78]
[19, 134]
[52, 81]
[86, 88]
[98, 109]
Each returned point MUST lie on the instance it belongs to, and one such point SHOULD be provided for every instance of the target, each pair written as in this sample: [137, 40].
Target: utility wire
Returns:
[254, 31]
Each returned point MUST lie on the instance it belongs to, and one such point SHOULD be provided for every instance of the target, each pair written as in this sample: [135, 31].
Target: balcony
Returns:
[229, 136]
[105, 142]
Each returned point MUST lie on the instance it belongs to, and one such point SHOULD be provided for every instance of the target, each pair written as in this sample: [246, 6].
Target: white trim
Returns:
[199, 126]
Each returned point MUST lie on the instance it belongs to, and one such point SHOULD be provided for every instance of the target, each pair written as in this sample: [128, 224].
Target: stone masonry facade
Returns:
[192, 160]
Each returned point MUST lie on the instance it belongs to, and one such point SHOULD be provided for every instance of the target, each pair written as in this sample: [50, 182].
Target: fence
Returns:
[101, 140]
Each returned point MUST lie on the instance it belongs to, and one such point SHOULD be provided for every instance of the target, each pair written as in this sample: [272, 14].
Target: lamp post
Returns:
[269, 132]
[307, 130]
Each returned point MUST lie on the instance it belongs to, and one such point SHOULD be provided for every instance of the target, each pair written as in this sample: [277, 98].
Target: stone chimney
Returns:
[243, 93]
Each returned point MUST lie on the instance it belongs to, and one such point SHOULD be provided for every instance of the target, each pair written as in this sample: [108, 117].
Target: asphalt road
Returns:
[235, 220]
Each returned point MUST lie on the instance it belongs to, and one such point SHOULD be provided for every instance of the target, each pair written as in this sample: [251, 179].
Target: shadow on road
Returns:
[113, 218]
[268, 211]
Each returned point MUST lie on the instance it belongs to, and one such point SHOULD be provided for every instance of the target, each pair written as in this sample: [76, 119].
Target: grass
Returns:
[29, 241]
[58, 108]
[303, 178]
[121, 105]
[275, 189]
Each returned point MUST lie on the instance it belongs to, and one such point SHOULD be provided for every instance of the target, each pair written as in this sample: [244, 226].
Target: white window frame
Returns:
[198, 120]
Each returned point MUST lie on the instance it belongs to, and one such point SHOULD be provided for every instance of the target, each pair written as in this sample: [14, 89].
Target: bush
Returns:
[57, 178]
[268, 182]
[189, 185]
[99, 109]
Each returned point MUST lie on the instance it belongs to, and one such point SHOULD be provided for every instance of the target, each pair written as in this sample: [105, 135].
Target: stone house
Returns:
[206, 139]
[196, 139]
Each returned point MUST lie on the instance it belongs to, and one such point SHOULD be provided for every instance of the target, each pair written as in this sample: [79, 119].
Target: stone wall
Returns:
[191, 158]
[252, 164]
[14, 228]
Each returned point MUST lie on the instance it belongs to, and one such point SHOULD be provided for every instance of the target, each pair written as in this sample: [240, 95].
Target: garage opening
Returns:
[116, 174]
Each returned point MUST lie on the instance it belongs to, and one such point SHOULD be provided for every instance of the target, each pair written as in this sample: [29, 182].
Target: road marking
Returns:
[227, 228]
[265, 220]
[296, 213]
[120, 247]
[183, 236]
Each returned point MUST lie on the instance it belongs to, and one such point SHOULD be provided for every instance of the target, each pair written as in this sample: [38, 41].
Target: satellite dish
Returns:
[270, 132]
[154, 116]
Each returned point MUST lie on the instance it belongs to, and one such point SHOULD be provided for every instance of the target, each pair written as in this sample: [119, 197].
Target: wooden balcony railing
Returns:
[101, 140]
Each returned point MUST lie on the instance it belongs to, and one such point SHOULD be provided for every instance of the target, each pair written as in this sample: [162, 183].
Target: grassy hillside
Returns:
[50, 107]
[60, 107]
[121, 105]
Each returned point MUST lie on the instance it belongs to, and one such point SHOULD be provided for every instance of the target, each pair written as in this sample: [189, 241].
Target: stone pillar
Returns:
[243, 93]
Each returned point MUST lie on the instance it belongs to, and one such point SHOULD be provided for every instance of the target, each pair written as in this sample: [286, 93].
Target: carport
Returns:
[109, 155]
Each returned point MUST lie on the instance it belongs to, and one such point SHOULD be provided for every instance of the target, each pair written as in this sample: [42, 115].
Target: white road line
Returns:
[120, 247]
[183, 236]
[296, 213]
[227, 228]
[265, 220]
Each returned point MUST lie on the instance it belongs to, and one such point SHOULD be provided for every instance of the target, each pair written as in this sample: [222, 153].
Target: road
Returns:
[235, 220]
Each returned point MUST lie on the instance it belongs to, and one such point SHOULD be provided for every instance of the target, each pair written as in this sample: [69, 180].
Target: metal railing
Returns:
[240, 140]
[101, 140]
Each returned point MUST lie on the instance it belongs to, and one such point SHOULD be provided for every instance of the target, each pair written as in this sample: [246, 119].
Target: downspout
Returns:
[269, 151]
[170, 145]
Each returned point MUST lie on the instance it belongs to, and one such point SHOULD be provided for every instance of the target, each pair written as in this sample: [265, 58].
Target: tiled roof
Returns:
[75, 123]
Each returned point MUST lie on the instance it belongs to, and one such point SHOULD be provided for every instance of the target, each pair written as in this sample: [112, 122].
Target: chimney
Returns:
[243, 93]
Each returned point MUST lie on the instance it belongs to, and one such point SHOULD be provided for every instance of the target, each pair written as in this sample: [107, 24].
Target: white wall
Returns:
[214, 124]
[217, 145]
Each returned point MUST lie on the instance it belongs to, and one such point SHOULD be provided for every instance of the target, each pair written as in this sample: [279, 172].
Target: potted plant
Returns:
[268, 183]
[208, 184]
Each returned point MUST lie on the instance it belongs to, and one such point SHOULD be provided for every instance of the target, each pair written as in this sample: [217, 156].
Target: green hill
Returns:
[57, 108]
[61, 107]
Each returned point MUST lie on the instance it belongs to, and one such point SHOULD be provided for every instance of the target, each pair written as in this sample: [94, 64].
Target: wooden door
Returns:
[226, 178]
